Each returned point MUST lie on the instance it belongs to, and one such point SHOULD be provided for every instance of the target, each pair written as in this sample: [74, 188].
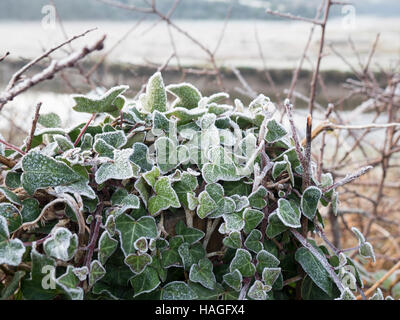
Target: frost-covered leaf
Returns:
[257, 291]
[163, 126]
[178, 290]
[188, 96]
[220, 167]
[309, 201]
[184, 186]
[206, 205]
[191, 254]
[120, 169]
[12, 216]
[253, 242]
[156, 96]
[69, 282]
[315, 270]
[234, 221]
[366, 250]
[140, 156]
[169, 155]
[275, 131]
[81, 273]
[152, 176]
[233, 240]
[141, 245]
[39, 285]
[97, 272]
[130, 230]
[80, 187]
[63, 143]
[103, 149]
[124, 201]
[241, 202]
[203, 273]
[165, 197]
[61, 245]
[266, 260]
[41, 171]
[143, 189]
[289, 213]
[347, 295]
[242, 262]
[12, 286]
[359, 235]
[269, 276]
[145, 282]
[190, 235]
[257, 198]
[275, 226]
[11, 251]
[252, 219]
[138, 262]
[107, 246]
[30, 209]
[105, 103]
[13, 179]
[115, 139]
[10, 196]
[234, 280]
[50, 120]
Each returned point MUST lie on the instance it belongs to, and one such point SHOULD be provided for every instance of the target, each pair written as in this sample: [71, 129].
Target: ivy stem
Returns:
[84, 129]
[40, 241]
[95, 235]
[210, 230]
[12, 147]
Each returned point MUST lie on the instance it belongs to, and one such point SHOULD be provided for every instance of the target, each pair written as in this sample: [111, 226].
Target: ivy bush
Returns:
[155, 199]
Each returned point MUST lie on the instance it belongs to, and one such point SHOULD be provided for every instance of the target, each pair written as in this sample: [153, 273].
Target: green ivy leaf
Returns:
[275, 227]
[138, 262]
[115, 139]
[105, 103]
[169, 155]
[130, 230]
[11, 251]
[30, 210]
[50, 120]
[309, 201]
[253, 242]
[220, 167]
[203, 273]
[234, 280]
[12, 216]
[41, 171]
[145, 282]
[252, 219]
[10, 196]
[107, 246]
[233, 240]
[120, 169]
[178, 290]
[156, 96]
[257, 291]
[124, 200]
[191, 254]
[188, 96]
[315, 270]
[96, 272]
[165, 197]
[242, 262]
[266, 259]
[275, 131]
[257, 198]
[69, 282]
[140, 156]
[190, 235]
[61, 245]
[289, 213]
[269, 276]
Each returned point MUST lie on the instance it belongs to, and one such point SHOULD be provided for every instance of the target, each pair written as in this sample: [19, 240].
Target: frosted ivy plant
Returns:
[174, 195]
